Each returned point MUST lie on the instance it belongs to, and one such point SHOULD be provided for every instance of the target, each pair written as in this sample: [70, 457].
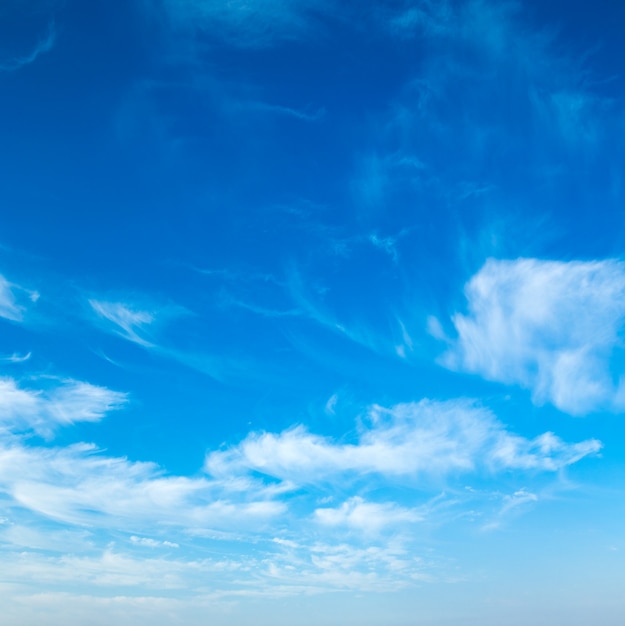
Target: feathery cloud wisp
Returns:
[126, 322]
[248, 24]
[10, 306]
[61, 403]
[45, 44]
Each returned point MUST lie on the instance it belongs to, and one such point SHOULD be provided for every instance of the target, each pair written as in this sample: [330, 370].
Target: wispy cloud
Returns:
[576, 115]
[59, 403]
[367, 517]
[16, 358]
[251, 24]
[417, 439]
[548, 326]
[210, 584]
[81, 486]
[78, 484]
[378, 175]
[9, 309]
[387, 244]
[14, 300]
[44, 45]
[488, 26]
[267, 484]
[129, 323]
[316, 310]
[510, 505]
[277, 109]
[152, 543]
[406, 345]
[141, 326]
[229, 300]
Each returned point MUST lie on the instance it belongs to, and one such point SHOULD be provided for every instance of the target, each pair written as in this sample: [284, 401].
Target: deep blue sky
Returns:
[312, 314]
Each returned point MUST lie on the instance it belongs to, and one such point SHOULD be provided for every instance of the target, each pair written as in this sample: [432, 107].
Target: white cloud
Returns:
[62, 403]
[127, 322]
[44, 45]
[16, 358]
[510, 506]
[107, 569]
[330, 407]
[368, 517]
[10, 308]
[266, 107]
[415, 439]
[152, 543]
[80, 485]
[518, 498]
[407, 344]
[210, 585]
[548, 326]
[29, 536]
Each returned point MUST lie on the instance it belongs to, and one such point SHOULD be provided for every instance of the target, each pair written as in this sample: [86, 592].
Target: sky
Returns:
[312, 313]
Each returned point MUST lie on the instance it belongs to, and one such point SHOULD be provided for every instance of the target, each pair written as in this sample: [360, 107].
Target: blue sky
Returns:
[312, 313]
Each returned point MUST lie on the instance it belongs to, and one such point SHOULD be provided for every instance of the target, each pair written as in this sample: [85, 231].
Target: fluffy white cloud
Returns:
[413, 439]
[78, 484]
[548, 326]
[47, 490]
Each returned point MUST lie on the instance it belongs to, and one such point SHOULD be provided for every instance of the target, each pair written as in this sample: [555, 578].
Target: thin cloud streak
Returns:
[284, 110]
[127, 322]
[43, 46]
[16, 358]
